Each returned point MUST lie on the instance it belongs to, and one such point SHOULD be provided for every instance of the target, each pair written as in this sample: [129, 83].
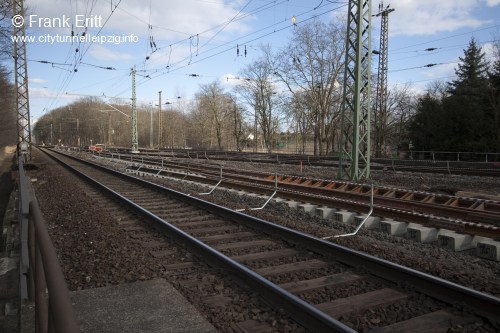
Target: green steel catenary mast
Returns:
[354, 159]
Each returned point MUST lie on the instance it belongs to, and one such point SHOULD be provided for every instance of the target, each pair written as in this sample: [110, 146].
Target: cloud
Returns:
[489, 50]
[492, 3]
[36, 81]
[166, 21]
[49, 94]
[441, 70]
[169, 32]
[428, 17]
[103, 53]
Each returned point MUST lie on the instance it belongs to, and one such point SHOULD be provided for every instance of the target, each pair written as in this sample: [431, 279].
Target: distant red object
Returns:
[96, 148]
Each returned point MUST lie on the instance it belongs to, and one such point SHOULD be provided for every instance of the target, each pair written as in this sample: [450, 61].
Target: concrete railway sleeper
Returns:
[469, 216]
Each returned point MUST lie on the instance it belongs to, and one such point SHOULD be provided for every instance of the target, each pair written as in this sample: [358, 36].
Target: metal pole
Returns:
[135, 141]
[151, 129]
[159, 121]
[255, 131]
[109, 129]
[78, 132]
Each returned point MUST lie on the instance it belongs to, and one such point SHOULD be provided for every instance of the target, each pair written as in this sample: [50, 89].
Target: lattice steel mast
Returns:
[354, 161]
[381, 113]
[21, 82]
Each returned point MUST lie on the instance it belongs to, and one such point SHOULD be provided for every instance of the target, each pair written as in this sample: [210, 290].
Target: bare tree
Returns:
[401, 106]
[212, 100]
[236, 115]
[177, 129]
[311, 65]
[8, 114]
[259, 91]
[8, 119]
[6, 44]
[83, 122]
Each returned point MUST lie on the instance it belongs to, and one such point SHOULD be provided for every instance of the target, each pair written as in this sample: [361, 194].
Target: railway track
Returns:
[474, 216]
[488, 169]
[319, 284]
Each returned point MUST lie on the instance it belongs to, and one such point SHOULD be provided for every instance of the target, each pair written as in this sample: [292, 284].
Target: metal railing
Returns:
[42, 279]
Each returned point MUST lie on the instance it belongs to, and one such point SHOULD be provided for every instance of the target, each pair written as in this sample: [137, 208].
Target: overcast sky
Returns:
[170, 40]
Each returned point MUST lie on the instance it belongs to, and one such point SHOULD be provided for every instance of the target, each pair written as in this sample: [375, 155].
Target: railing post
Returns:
[60, 307]
[41, 306]
[32, 259]
[24, 200]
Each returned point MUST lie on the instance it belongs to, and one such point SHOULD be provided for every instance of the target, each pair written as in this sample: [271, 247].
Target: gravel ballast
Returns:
[94, 252]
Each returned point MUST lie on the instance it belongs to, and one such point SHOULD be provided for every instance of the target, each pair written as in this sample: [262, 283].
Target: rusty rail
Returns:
[47, 287]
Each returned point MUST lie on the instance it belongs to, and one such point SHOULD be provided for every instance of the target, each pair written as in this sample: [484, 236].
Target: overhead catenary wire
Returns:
[234, 42]
[82, 50]
[63, 81]
[431, 65]
[230, 45]
[447, 37]
[154, 73]
[225, 47]
[161, 71]
[79, 60]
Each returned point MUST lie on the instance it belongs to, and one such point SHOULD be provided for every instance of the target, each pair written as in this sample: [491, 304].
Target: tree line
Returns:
[291, 98]
[462, 115]
[8, 113]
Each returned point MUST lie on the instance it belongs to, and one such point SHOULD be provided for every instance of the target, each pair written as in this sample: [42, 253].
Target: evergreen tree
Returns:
[494, 79]
[467, 111]
[471, 72]
[423, 130]
[464, 120]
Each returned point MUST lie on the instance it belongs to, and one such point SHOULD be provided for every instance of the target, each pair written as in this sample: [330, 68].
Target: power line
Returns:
[235, 18]
[150, 74]
[432, 65]
[171, 68]
[78, 61]
[448, 37]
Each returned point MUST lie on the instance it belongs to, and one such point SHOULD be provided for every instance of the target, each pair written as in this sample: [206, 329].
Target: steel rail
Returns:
[458, 211]
[405, 210]
[302, 312]
[488, 169]
[482, 304]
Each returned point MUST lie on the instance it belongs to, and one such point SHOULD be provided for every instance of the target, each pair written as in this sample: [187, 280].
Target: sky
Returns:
[177, 45]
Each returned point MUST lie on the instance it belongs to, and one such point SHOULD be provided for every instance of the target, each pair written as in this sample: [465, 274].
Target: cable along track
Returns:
[318, 284]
